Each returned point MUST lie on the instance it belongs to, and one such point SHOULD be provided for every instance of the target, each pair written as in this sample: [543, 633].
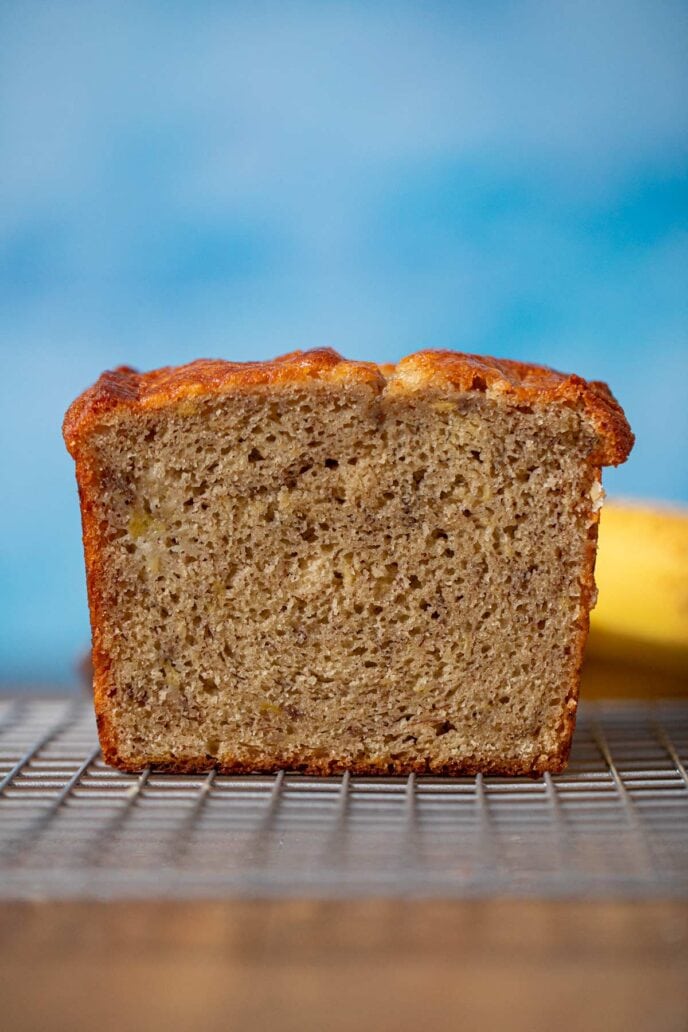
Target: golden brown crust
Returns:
[327, 767]
[525, 384]
[88, 483]
[124, 388]
[567, 721]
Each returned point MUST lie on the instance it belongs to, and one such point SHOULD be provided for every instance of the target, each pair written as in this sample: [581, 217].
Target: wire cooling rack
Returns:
[615, 823]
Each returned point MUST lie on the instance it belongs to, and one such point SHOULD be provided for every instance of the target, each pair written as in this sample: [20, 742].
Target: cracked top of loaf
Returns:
[518, 383]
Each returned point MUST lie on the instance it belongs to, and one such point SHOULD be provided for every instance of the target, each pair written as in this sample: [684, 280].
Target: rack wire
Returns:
[614, 824]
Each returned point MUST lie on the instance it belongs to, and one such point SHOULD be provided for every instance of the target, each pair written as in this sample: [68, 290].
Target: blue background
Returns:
[215, 179]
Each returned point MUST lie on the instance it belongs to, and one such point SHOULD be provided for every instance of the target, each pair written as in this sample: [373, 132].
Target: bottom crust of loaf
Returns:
[333, 766]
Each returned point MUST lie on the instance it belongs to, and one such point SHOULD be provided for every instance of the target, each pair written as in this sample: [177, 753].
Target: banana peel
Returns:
[641, 617]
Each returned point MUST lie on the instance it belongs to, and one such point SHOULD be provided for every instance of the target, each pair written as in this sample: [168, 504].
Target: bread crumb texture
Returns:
[324, 565]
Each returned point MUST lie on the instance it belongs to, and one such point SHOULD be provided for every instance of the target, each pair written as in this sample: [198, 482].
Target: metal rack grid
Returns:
[615, 823]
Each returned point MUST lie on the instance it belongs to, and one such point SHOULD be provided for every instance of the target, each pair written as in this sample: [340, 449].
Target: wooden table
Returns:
[295, 966]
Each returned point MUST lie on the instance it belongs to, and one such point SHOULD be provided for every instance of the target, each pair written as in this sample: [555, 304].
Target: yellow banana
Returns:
[642, 578]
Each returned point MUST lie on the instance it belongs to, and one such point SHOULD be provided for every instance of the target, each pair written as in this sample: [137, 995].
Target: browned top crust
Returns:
[525, 384]
[125, 388]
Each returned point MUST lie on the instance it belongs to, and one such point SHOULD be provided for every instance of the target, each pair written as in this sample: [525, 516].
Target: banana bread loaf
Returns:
[325, 565]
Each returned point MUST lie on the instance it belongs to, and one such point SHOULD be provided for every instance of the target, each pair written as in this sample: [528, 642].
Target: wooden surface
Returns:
[297, 966]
